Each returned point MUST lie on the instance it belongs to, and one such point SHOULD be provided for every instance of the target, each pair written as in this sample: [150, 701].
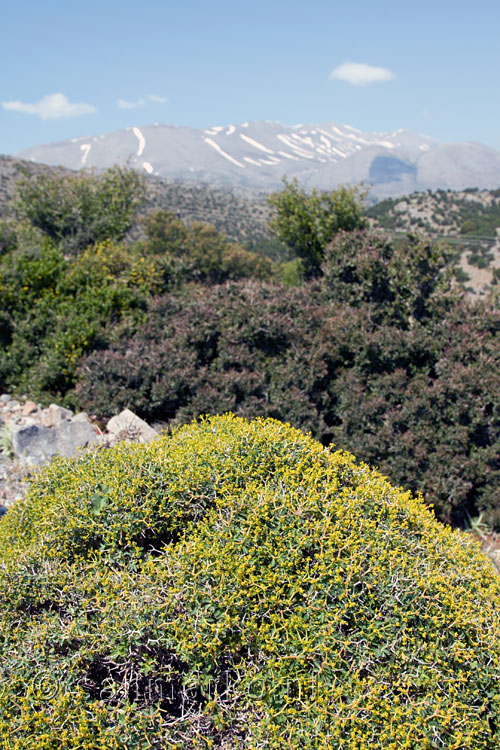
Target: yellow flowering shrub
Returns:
[236, 585]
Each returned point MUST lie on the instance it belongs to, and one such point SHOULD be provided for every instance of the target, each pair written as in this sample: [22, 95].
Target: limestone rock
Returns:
[37, 444]
[128, 426]
[54, 415]
[28, 408]
[31, 436]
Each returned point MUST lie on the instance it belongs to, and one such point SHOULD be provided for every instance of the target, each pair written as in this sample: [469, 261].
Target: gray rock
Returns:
[82, 416]
[54, 415]
[29, 408]
[26, 421]
[5, 397]
[36, 444]
[128, 426]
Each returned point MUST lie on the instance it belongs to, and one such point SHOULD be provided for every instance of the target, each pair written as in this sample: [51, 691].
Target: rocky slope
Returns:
[467, 220]
[30, 436]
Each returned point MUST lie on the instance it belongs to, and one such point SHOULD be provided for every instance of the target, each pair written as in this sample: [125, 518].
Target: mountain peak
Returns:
[258, 154]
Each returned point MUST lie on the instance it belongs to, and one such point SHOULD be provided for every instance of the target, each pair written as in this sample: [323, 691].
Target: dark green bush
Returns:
[402, 281]
[247, 347]
[419, 402]
[425, 409]
[239, 586]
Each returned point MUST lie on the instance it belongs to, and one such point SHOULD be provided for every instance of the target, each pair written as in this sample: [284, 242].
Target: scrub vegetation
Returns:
[244, 581]
[237, 585]
[365, 341]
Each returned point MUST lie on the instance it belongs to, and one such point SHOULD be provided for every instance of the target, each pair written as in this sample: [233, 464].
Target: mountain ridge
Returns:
[256, 155]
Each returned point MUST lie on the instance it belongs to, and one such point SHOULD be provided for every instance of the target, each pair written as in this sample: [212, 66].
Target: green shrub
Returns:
[307, 222]
[78, 210]
[199, 252]
[403, 281]
[236, 585]
[420, 401]
[55, 309]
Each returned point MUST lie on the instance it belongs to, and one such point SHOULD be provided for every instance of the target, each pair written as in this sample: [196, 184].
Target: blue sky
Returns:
[71, 68]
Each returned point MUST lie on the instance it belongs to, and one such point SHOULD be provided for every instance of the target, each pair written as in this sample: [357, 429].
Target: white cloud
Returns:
[51, 107]
[359, 74]
[124, 104]
[157, 99]
[154, 98]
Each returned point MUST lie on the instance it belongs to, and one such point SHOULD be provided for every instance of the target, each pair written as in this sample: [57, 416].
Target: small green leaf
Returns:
[100, 499]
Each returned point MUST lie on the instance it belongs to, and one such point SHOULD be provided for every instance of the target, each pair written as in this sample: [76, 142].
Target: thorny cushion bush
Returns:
[422, 403]
[237, 585]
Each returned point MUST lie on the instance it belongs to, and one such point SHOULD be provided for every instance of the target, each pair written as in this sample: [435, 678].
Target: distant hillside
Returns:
[469, 220]
[242, 218]
[239, 217]
[10, 171]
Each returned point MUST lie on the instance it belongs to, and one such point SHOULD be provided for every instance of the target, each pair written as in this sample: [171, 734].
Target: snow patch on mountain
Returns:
[214, 130]
[256, 144]
[252, 161]
[85, 147]
[223, 153]
[141, 139]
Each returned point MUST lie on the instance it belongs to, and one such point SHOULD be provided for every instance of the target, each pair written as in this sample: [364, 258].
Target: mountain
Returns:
[255, 155]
